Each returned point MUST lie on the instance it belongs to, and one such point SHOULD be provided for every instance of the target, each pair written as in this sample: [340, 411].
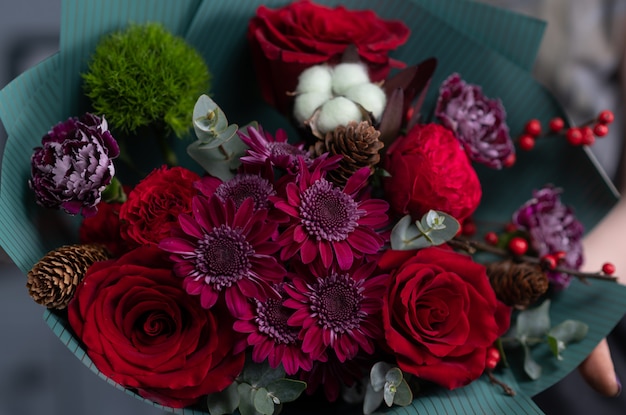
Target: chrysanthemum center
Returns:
[278, 148]
[244, 186]
[272, 319]
[223, 256]
[328, 213]
[337, 302]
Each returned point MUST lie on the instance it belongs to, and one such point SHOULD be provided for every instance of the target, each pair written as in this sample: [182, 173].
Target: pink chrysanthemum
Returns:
[337, 310]
[330, 222]
[264, 147]
[271, 337]
[238, 189]
[221, 248]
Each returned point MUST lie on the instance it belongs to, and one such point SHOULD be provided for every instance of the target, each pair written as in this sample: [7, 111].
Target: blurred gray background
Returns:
[38, 375]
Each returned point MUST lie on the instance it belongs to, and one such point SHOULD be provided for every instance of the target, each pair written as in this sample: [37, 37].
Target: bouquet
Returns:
[247, 207]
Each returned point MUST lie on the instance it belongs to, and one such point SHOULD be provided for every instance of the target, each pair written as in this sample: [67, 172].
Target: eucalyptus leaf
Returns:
[394, 376]
[556, 346]
[210, 123]
[438, 227]
[534, 322]
[373, 399]
[405, 235]
[261, 374]
[532, 368]
[246, 399]
[388, 393]
[378, 375]
[220, 161]
[403, 395]
[286, 390]
[224, 402]
[263, 402]
[569, 331]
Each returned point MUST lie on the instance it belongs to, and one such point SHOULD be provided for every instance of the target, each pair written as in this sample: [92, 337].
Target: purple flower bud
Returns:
[552, 227]
[74, 165]
[477, 121]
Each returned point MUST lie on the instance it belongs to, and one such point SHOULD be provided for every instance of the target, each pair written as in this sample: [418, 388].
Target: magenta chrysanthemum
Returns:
[224, 249]
[275, 150]
[238, 189]
[271, 337]
[337, 310]
[330, 222]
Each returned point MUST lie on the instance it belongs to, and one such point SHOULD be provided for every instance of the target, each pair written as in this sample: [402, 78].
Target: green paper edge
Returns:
[9, 201]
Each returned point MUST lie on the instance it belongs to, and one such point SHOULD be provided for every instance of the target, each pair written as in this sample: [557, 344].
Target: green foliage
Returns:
[259, 390]
[218, 148]
[145, 77]
[533, 326]
[386, 383]
[435, 228]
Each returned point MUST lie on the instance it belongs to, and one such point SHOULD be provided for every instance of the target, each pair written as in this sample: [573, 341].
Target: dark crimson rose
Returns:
[440, 315]
[153, 206]
[430, 170]
[287, 40]
[141, 329]
[104, 228]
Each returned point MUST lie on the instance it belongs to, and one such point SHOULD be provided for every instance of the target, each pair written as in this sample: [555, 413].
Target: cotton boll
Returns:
[338, 111]
[306, 104]
[317, 78]
[369, 96]
[346, 75]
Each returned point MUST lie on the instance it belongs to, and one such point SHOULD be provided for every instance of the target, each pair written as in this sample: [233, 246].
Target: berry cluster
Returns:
[584, 134]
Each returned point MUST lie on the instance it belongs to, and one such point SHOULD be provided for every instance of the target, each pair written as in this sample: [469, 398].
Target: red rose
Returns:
[288, 40]
[153, 206]
[104, 228]
[143, 330]
[440, 315]
[430, 170]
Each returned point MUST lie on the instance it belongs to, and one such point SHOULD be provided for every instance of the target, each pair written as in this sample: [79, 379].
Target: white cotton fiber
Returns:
[369, 96]
[315, 79]
[306, 104]
[346, 75]
[338, 111]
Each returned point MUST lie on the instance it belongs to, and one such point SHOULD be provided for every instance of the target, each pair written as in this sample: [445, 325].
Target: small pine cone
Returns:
[53, 280]
[357, 142]
[517, 284]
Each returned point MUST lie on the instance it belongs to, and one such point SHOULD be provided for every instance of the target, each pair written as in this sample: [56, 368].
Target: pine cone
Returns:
[53, 280]
[357, 142]
[517, 284]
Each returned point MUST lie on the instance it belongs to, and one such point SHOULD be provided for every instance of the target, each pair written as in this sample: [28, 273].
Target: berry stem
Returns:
[472, 246]
[506, 388]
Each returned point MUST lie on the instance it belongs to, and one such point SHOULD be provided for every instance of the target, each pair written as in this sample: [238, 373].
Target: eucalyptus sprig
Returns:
[386, 383]
[434, 228]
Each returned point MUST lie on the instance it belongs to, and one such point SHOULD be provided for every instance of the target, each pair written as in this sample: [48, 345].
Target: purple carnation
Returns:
[477, 121]
[552, 227]
[74, 165]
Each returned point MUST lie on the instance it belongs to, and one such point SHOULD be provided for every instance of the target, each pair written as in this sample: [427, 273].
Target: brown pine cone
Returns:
[53, 280]
[357, 142]
[517, 284]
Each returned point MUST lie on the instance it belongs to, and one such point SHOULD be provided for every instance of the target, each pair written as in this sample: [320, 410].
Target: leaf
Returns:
[378, 375]
[556, 346]
[438, 227]
[533, 323]
[286, 390]
[246, 399]
[532, 368]
[394, 376]
[263, 402]
[372, 400]
[261, 374]
[391, 120]
[224, 402]
[403, 395]
[405, 235]
[562, 334]
[210, 123]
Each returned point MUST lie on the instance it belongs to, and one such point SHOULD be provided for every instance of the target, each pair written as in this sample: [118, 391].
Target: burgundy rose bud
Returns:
[552, 227]
[74, 165]
[477, 121]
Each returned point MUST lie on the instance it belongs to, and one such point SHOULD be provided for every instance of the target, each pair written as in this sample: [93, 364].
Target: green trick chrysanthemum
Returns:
[144, 76]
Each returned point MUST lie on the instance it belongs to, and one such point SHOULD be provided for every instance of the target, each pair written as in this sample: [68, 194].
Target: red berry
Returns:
[574, 136]
[492, 359]
[606, 117]
[559, 255]
[468, 228]
[409, 113]
[518, 245]
[526, 142]
[533, 127]
[600, 130]
[549, 261]
[556, 124]
[491, 238]
[608, 268]
[510, 227]
[510, 160]
[588, 137]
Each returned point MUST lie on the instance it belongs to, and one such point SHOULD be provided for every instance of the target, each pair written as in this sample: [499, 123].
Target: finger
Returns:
[598, 371]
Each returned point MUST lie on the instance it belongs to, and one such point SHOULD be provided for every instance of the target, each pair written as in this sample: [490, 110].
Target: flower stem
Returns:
[471, 247]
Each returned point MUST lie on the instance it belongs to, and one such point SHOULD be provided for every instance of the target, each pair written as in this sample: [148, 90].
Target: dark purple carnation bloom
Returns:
[477, 121]
[74, 165]
[552, 227]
